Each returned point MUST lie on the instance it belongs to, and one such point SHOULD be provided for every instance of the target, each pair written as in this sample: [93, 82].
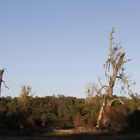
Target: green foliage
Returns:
[60, 112]
[133, 103]
[91, 109]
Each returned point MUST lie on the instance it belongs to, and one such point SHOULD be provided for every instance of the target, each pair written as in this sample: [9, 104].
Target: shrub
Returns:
[115, 119]
[78, 120]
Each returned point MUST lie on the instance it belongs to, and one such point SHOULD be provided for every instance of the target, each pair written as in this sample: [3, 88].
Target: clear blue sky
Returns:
[59, 46]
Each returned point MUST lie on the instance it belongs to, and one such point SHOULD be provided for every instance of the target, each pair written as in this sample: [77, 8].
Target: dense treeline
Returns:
[28, 113]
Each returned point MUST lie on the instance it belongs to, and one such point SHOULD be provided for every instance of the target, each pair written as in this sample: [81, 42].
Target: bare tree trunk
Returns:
[101, 112]
[1, 80]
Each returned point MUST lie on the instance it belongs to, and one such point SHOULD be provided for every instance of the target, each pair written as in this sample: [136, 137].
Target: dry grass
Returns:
[68, 132]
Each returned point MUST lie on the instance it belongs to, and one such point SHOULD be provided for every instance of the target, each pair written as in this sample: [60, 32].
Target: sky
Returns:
[60, 46]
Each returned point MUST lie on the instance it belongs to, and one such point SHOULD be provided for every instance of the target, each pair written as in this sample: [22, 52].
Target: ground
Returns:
[78, 137]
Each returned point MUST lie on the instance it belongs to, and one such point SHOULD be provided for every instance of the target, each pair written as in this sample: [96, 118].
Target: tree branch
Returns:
[5, 84]
[126, 61]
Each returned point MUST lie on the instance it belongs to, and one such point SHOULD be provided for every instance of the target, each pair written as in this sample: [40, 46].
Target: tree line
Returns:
[27, 113]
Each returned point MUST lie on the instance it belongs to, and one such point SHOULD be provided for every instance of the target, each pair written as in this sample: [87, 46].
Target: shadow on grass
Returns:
[44, 134]
[82, 136]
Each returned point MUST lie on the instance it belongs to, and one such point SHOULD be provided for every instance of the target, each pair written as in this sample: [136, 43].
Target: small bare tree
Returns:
[114, 70]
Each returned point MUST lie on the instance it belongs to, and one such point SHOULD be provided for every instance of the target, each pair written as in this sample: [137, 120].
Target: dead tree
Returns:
[114, 70]
[1, 79]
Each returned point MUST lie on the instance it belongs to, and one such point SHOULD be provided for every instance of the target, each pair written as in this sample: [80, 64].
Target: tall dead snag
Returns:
[1, 79]
[113, 70]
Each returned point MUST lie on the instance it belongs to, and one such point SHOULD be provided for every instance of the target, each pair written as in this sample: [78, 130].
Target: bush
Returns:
[78, 121]
[115, 119]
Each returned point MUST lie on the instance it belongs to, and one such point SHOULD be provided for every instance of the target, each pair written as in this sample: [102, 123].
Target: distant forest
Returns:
[26, 113]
